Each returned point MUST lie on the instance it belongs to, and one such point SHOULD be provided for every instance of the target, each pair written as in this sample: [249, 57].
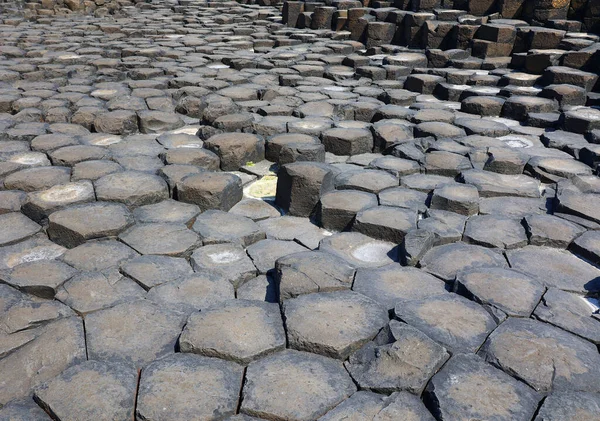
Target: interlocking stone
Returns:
[447, 260]
[309, 320]
[98, 255]
[236, 149]
[406, 364]
[15, 227]
[190, 386]
[166, 239]
[237, 330]
[193, 292]
[113, 388]
[210, 190]
[230, 260]
[495, 231]
[320, 383]
[455, 322]
[73, 226]
[569, 406]
[543, 356]
[136, 332]
[391, 284]
[468, 387]
[556, 268]
[359, 250]
[41, 278]
[508, 290]
[131, 188]
[311, 271]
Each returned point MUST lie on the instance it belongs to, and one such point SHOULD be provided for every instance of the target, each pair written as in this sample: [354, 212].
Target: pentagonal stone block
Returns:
[210, 190]
[113, 390]
[98, 255]
[300, 185]
[132, 188]
[168, 211]
[236, 149]
[333, 323]
[137, 332]
[320, 383]
[463, 199]
[455, 322]
[347, 141]
[447, 260]
[391, 284]
[265, 253]
[512, 292]
[191, 386]
[168, 239]
[387, 223]
[495, 231]
[194, 292]
[151, 270]
[237, 330]
[75, 225]
[457, 387]
[216, 227]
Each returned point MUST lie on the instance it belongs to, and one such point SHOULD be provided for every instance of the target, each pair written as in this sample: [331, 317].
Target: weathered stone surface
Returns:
[98, 255]
[151, 270]
[391, 284]
[265, 253]
[550, 231]
[447, 260]
[23, 410]
[508, 290]
[59, 345]
[495, 231]
[168, 211]
[556, 268]
[210, 190]
[131, 188]
[311, 271]
[190, 386]
[15, 227]
[359, 250]
[469, 388]
[166, 239]
[230, 260]
[73, 226]
[543, 356]
[337, 209]
[91, 291]
[362, 405]
[455, 322]
[569, 406]
[136, 332]
[568, 311]
[91, 390]
[319, 384]
[194, 292]
[387, 223]
[41, 278]
[404, 405]
[41, 204]
[406, 364]
[237, 330]
[216, 227]
[310, 321]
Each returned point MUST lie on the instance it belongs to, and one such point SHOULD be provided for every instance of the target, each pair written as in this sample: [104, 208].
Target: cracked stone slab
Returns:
[161, 239]
[311, 271]
[569, 406]
[237, 330]
[406, 364]
[319, 384]
[91, 390]
[190, 386]
[570, 312]
[359, 250]
[59, 345]
[152, 270]
[41, 278]
[15, 227]
[332, 323]
[543, 356]
[230, 260]
[215, 226]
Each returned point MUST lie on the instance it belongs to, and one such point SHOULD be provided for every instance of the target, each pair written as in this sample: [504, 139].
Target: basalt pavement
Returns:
[208, 215]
